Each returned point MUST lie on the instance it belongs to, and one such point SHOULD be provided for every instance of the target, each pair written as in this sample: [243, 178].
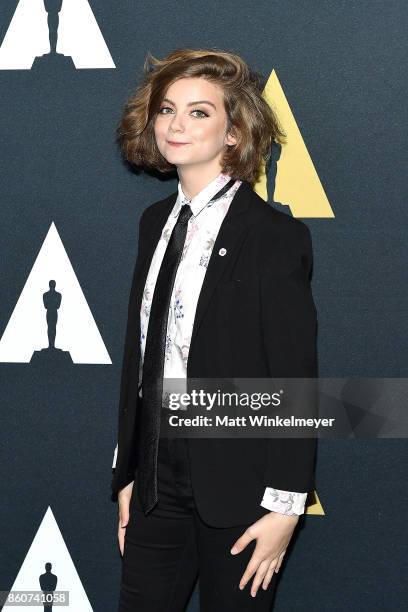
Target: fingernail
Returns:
[234, 550]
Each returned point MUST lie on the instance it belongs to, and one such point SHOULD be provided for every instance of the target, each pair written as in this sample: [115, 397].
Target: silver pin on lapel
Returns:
[222, 251]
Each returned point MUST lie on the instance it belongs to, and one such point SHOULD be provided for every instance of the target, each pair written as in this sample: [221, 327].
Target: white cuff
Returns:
[285, 502]
[115, 456]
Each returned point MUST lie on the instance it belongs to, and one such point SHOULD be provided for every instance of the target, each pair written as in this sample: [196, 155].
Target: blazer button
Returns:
[222, 252]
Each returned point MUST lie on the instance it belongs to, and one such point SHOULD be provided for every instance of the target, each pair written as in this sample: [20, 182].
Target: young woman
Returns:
[220, 289]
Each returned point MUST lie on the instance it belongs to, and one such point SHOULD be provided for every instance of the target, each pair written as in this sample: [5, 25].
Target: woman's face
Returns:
[192, 112]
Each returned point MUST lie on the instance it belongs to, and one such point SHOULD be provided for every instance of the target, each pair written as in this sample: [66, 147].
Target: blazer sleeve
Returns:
[128, 335]
[289, 327]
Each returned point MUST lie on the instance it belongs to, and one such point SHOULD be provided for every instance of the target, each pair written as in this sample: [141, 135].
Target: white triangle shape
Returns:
[79, 36]
[48, 546]
[76, 330]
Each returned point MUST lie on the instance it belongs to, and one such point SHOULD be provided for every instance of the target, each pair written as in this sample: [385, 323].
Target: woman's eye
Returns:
[165, 108]
[200, 111]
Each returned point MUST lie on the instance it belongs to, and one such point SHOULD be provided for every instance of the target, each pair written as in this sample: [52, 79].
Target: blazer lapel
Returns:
[151, 240]
[154, 235]
[232, 229]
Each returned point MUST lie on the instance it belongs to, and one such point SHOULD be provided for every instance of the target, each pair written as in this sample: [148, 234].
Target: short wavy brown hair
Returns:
[249, 116]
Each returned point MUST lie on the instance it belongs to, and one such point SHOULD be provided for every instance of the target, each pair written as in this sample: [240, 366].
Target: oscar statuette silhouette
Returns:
[53, 59]
[52, 302]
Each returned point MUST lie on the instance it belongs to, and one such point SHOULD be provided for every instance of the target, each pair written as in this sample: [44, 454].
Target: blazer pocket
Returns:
[247, 289]
[245, 286]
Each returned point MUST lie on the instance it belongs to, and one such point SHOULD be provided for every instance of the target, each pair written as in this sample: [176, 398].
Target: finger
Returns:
[121, 539]
[269, 573]
[280, 561]
[259, 576]
[123, 522]
[124, 506]
[250, 570]
[243, 541]
[123, 518]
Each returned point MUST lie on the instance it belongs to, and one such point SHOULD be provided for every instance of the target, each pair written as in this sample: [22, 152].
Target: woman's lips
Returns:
[177, 144]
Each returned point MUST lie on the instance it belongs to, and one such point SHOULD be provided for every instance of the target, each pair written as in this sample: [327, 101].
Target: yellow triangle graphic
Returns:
[297, 183]
[313, 504]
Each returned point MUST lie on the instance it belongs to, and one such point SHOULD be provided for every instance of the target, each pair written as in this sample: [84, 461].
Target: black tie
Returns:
[153, 362]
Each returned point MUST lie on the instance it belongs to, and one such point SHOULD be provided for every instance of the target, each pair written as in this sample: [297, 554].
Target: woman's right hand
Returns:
[124, 497]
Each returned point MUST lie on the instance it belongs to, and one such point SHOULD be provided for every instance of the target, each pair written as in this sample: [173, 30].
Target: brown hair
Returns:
[249, 116]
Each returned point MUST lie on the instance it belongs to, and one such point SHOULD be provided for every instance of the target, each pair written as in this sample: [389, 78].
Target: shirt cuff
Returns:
[115, 455]
[285, 502]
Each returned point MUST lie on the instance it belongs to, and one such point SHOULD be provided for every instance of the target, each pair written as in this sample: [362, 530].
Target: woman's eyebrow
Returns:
[192, 103]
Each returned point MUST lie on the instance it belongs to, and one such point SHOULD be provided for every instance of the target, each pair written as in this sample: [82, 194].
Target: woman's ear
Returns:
[230, 139]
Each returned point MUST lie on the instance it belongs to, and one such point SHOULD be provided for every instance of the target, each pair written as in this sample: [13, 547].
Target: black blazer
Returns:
[255, 318]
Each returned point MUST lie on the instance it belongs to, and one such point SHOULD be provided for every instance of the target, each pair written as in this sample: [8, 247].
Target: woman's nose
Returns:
[177, 124]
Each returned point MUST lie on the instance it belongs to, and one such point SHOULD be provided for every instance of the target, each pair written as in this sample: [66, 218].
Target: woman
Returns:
[220, 289]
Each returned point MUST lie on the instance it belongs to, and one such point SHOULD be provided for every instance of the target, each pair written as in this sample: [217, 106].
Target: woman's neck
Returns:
[194, 179]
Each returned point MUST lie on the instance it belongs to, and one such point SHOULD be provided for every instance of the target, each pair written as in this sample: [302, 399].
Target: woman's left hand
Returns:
[273, 533]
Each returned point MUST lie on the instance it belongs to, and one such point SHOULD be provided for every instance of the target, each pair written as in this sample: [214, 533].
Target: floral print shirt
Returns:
[202, 231]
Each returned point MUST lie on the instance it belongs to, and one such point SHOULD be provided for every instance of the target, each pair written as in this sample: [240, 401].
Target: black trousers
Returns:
[166, 550]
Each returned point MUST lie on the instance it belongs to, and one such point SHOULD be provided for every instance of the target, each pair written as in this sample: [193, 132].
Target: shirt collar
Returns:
[201, 199]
